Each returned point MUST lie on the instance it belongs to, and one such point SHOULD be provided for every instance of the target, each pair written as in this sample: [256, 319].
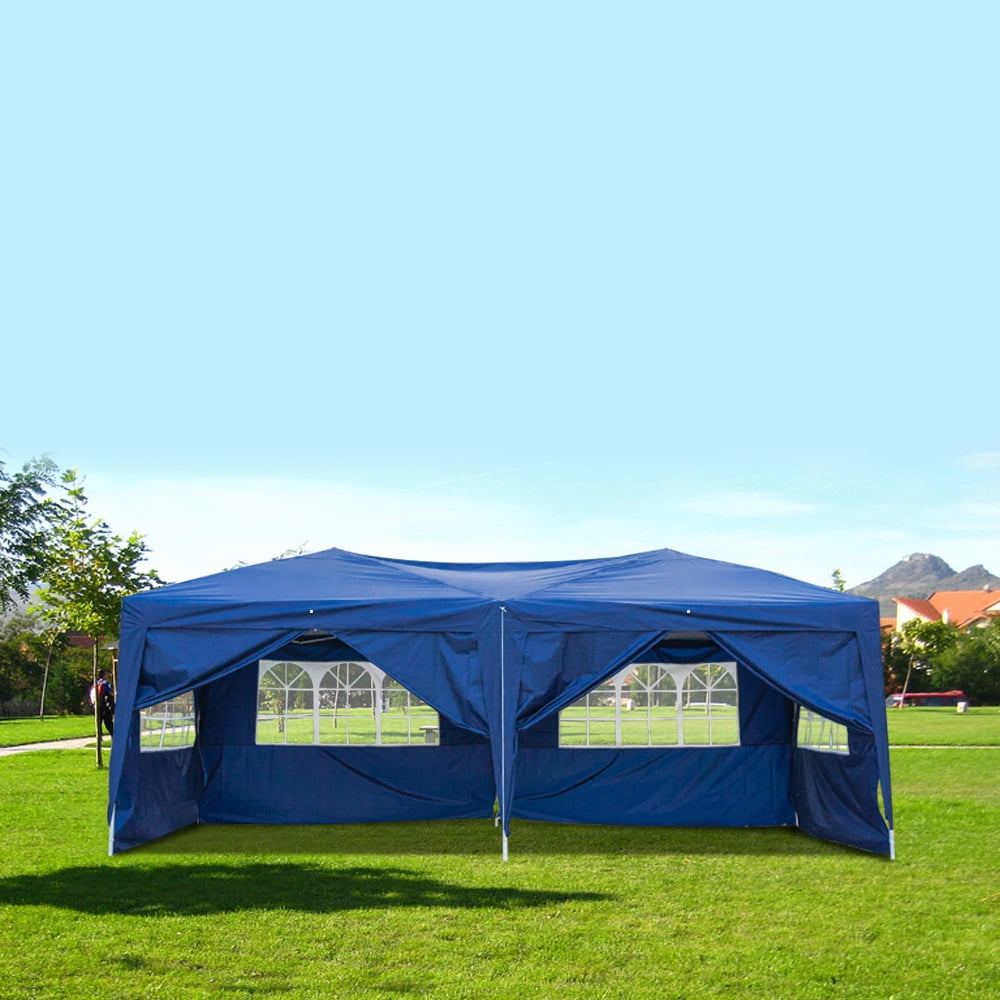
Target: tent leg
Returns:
[504, 851]
[892, 844]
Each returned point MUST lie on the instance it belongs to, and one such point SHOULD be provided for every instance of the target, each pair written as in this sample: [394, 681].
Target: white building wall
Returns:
[905, 614]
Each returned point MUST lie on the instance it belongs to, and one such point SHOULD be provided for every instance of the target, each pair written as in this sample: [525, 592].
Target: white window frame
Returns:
[372, 679]
[819, 734]
[629, 681]
[175, 718]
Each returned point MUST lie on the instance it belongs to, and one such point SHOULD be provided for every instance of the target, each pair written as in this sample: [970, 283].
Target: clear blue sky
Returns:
[509, 281]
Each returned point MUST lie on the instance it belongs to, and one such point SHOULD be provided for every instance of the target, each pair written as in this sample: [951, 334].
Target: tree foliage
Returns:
[26, 514]
[83, 570]
[972, 665]
[919, 644]
[21, 656]
[88, 571]
[938, 656]
[31, 660]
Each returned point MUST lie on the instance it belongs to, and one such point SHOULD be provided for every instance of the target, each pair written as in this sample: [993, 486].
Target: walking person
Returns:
[103, 696]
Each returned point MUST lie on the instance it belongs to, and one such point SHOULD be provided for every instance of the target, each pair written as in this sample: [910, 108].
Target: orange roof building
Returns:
[964, 608]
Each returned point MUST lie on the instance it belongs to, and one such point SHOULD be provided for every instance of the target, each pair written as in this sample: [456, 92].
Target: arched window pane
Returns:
[284, 704]
[657, 704]
[341, 703]
[168, 725]
[817, 732]
[347, 705]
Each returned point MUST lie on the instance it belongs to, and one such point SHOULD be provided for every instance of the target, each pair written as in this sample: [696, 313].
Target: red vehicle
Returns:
[929, 698]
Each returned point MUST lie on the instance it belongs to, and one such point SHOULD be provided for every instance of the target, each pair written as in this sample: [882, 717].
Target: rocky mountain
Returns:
[919, 575]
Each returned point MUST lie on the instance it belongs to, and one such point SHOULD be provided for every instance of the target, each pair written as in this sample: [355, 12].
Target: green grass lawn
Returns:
[430, 910]
[576, 727]
[347, 726]
[14, 732]
[943, 727]
[907, 727]
[654, 727]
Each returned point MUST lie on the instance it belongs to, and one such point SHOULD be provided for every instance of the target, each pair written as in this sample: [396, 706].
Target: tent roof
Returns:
[660, 577]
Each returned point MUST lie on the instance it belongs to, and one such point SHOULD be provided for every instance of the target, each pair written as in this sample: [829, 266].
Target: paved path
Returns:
[74, 744]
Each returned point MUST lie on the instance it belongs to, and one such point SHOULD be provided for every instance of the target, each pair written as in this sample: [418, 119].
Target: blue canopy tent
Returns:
[502, 652]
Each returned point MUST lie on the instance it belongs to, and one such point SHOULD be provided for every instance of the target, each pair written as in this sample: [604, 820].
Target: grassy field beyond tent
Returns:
[53, 727]
[429, 910]
[944, 726]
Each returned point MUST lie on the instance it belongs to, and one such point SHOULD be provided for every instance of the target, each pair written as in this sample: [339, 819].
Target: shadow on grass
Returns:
[192, 890]
[479, 838]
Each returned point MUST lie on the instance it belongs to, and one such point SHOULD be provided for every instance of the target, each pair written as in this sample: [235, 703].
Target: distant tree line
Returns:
[940, 656]
[31, 659]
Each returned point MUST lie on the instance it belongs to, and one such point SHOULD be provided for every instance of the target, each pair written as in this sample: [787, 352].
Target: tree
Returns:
[839, 583]
[23, 652]
[972, 665]
[25, 521]
[87, 573]
[40, 670]
[895, 662]
[297, 550]
[922, 645]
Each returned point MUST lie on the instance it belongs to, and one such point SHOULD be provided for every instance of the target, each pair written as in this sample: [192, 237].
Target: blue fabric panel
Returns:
[817, 669]
[229, 709]
[689, 786]
[543, 734]
[554, 668]
[544, 670]
[834, 796]
[766, 716]
[187, 658]
[314, 651]
[175, 660]
[869, 642]
[345, 784]
[684, 651]
[458, 736]
[229, 714]
[163, 797]
[443, 669]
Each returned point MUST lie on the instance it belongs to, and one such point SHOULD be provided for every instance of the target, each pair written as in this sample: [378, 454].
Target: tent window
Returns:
[168, 725]
[347, 702]
[657, 704]
[817, 732]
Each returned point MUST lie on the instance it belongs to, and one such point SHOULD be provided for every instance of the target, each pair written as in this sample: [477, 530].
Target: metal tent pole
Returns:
[503, 738]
